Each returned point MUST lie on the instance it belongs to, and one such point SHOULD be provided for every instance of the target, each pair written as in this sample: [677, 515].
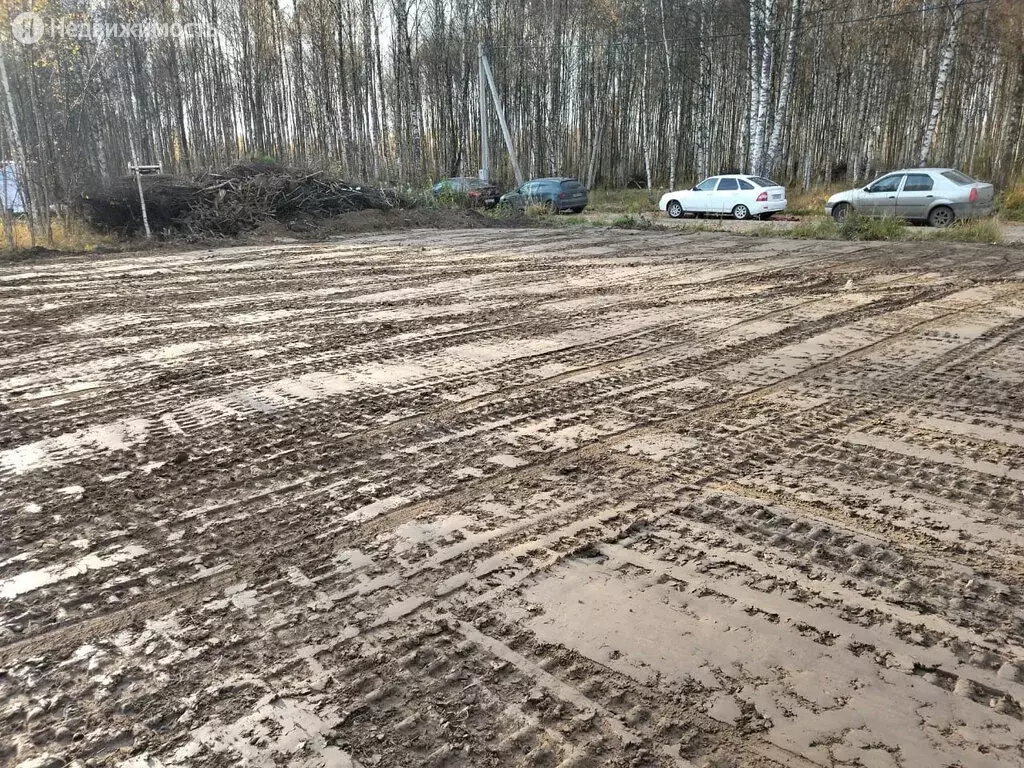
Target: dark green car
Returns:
[555, 194]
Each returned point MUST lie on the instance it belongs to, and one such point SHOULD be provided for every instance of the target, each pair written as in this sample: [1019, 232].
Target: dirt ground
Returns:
[514, 498]
[1013, 232]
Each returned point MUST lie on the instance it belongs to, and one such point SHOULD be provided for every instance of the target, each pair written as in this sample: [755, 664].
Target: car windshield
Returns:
[763, 182]
[958, 178]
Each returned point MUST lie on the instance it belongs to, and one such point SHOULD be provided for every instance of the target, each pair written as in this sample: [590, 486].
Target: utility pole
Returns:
[139, 170]
[501, 117]
[485, 150]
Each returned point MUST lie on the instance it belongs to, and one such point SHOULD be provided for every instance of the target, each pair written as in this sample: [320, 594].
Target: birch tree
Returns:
[941, 78]
[612, 91]
[786, 89]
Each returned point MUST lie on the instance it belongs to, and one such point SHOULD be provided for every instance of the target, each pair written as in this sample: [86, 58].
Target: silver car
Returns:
[939, 196]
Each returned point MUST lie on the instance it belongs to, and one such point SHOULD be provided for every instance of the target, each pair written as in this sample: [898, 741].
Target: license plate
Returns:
[491, 200]
[776, 197]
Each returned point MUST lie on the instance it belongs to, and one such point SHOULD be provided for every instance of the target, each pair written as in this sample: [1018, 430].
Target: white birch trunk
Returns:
[764, 88]
[753, 73]
[21, 174]
[673, 155]
[945, 64]
[785, 90]
[645, 133]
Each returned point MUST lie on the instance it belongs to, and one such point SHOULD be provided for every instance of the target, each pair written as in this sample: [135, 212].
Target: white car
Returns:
[731, 194]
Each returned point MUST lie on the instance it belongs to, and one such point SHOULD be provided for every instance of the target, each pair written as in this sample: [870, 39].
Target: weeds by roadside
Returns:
[811, 202]
[625, 201]
[980, 231]
[855, 227]
[629, 221]
[1011, 203]
[69, 234]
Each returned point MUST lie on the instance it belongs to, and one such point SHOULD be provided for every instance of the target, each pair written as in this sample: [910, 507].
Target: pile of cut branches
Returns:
[229, 202]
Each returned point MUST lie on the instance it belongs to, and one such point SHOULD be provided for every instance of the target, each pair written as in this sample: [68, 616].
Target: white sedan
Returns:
[733, 195]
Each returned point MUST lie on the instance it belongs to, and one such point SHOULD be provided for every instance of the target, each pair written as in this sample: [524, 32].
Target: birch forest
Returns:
[646, 93]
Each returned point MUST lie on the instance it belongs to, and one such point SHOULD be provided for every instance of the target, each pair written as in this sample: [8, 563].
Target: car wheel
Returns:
[941, 216]
[674, 209]
[741, 212]
[841, 211]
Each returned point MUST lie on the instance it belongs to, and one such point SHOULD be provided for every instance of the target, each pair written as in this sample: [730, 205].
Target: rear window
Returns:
[958, 178]
[918, 182]
[761, 181]
[572, 184]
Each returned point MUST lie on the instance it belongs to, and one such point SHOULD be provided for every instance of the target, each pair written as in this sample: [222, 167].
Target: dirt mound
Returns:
[238, 199]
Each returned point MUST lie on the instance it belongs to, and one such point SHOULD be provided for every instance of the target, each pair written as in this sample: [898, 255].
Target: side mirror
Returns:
[868, 189]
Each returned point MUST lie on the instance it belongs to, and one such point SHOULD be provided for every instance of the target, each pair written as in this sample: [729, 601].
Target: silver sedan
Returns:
[938, 196]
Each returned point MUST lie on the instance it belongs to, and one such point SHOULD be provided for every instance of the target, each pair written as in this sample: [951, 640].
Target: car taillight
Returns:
[561, 195]
[763, 197]
[474, 193]
[974, 195]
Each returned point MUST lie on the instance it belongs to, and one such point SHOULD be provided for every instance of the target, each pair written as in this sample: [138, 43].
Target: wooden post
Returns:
[142, 197]
[485, 150]
[501, 119]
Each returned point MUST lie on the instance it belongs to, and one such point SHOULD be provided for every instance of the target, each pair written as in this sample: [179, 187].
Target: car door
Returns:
[701, 197]
[879, 198]
[725, 195]
[547, 191]
[915, 198]
[527, 193]
[538, 193]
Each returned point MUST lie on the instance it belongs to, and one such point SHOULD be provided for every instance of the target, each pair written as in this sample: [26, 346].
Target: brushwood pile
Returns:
[229, 202]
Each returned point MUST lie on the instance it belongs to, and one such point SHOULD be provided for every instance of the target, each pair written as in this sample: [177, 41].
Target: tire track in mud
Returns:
[590, 452]
[113, 405]
[562, 350]
[429, 632]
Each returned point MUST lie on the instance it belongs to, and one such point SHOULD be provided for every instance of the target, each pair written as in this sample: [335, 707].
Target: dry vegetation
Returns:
[67, 233]
[796, 90]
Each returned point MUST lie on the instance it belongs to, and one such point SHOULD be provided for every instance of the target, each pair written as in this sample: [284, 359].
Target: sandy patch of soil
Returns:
[514, 498]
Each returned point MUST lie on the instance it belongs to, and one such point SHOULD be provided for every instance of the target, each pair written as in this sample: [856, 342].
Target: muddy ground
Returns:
[1012, 231]
[514, 498]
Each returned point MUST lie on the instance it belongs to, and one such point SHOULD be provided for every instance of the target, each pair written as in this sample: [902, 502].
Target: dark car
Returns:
[557, 194]
[475, 191]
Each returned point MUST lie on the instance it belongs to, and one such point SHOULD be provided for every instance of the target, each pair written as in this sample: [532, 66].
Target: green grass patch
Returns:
[979, 231]
[630, 221]
[855, 227]
[622, 201]
[811, 202]
[1011, 203]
